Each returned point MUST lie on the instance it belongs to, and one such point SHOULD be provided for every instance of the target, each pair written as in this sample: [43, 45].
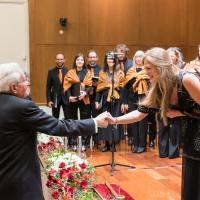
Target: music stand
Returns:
[113, 164]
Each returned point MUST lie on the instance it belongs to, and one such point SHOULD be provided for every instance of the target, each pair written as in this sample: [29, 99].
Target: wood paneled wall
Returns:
[101, 24]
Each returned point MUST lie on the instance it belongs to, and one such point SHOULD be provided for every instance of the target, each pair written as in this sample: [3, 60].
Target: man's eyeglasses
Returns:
[25, 80]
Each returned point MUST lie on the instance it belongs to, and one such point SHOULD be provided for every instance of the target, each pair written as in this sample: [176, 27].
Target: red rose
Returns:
[66, 188]
[50, 177]
[39, 148]
[52, 171]
[59, 182]
[62, 165]
[43, 145]
[84, 184]
[71, 190]
[85, 176]
[64, 175]
[49, 183]
[70, 175]
[62, 171]
[55, 194]
[83, 165]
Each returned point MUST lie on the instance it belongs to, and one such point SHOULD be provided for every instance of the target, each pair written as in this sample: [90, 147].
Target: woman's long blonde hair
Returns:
[161, 90]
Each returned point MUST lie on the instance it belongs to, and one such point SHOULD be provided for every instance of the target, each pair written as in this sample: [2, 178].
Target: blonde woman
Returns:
[173, 93]
[176, 57]
[136, 86]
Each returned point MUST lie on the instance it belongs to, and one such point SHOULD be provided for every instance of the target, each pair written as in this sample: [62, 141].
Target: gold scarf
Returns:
[72, 78]
[140, 85]
[105, 82]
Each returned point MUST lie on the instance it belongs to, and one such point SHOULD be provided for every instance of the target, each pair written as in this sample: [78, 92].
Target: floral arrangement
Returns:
[47, 144]
[69, 176]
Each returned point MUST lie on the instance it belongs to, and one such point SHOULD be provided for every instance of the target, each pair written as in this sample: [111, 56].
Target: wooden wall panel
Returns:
[101, 24]
[113, 21]
[163, 22]
[194, 25]
[48, 13]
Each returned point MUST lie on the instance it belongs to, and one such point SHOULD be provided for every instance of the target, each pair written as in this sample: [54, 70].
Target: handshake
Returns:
[104, 119]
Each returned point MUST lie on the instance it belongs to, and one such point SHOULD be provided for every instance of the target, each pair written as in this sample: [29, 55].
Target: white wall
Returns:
[14, 39]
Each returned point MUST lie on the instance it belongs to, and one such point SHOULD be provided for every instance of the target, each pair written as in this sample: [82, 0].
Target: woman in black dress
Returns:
[173, 93]
[77, 86]
[136, 87]
[108, 97]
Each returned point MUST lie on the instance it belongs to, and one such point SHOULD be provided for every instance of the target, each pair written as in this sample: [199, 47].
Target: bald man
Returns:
[54, 87]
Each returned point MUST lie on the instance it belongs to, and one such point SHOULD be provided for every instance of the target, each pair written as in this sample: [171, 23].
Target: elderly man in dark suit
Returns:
[54, 87]
[20, 119]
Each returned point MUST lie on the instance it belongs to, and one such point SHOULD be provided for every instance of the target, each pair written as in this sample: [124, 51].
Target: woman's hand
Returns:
[124, 108]
[111, 120]
[83, 94]
[174, 113]
[73, 99]
[97, 105]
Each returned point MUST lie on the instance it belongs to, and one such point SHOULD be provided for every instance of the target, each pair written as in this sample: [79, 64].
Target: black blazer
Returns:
[20, 119]
[54, 89]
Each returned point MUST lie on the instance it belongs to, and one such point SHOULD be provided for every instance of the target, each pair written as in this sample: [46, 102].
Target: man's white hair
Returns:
[9, 74]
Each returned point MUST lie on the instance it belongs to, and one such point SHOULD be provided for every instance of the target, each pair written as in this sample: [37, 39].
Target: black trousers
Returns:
[152, 127]
[190, 179]
[56, 111]
[138, 131]
[85, 113]
[169, 138]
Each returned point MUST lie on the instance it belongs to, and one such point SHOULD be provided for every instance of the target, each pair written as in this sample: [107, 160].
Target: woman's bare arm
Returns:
[129, 118]
[192, 85]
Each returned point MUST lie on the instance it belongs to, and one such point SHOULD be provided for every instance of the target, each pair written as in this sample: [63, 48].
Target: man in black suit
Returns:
[54, 87]
[20, 119]
[92, 65]
[125, 64]
[95, 69]
[122, 53]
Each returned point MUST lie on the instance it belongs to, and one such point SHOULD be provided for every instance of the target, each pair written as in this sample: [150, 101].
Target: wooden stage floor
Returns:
[153, 178]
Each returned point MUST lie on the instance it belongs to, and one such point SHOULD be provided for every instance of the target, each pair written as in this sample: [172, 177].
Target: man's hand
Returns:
[50, 104]
[101, 120]
[73, 99]
[111, 120]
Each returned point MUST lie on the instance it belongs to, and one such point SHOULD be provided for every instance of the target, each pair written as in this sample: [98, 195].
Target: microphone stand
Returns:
[114, 128]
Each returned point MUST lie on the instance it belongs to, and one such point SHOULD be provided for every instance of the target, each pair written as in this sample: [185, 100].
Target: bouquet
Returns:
[69, 176]
[47, 144]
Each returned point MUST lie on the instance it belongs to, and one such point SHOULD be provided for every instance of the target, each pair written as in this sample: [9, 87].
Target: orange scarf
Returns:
[105, 82]
[72, 78]
[140, 85]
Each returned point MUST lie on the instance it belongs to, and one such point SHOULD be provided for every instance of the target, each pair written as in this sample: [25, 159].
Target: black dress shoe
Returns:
[151, 144]
[141, 149]
[130, 141]
[134, 149]
[106, 148]
[113, 149]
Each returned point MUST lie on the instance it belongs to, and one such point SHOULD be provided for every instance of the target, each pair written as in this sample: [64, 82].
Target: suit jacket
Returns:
[97, 69]
[54, 89]
[127, 65]
[20, 119]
